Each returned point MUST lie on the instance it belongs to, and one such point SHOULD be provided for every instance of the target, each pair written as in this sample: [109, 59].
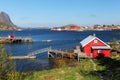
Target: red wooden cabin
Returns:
[94, 47]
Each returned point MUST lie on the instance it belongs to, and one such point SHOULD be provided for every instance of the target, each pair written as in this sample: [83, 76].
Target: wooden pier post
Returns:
[48, 54]
[62, 55]
[78, 57]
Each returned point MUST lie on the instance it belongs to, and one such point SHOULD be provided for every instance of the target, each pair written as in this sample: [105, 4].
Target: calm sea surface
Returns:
[61, 40]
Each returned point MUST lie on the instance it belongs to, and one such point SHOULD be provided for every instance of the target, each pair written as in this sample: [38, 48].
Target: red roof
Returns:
[74, 27]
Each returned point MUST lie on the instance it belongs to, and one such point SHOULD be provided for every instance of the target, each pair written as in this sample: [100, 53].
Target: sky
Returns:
[56, 13]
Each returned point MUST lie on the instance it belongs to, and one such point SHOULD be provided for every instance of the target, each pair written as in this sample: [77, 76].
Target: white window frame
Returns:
[99, 51]
[95, 41]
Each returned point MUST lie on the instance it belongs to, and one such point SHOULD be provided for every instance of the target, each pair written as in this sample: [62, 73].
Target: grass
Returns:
[109, 68]
[83, 71]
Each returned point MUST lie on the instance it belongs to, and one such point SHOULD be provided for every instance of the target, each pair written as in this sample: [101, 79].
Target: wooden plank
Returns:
[22, 57]
[69, 54]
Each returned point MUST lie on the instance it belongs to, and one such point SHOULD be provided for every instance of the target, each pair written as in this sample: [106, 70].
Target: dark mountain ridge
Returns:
[4, 18]
[6, 23]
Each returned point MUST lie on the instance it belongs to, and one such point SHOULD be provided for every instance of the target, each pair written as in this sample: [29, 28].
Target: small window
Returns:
[99, 51]
[95, 41]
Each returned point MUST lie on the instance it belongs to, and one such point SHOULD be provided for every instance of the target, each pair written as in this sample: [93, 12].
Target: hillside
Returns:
[87, 69]
[83, 71]
[6, 23]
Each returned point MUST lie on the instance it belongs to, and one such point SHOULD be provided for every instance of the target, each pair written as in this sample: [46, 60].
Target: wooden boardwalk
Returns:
[22, 57]
[52, 53]
[64, 53]
[31, 55]
[58, 53]
[39, 51]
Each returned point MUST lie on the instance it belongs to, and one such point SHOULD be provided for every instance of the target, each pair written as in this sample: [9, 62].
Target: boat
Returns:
[19, 29]
[46, 40]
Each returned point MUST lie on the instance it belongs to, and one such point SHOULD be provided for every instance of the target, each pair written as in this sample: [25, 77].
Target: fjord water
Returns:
[60, 40]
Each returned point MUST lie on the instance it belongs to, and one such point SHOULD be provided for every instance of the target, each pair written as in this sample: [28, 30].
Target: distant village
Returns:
[73, 27]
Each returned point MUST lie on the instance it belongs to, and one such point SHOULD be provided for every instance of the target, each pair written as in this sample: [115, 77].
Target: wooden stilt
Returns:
[48, 54]
[62, 55]
[78, 58]
[51, 55]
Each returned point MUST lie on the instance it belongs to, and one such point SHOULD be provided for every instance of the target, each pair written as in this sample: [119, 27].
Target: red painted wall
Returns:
[87, 49]
[95, 53]
[105, 53]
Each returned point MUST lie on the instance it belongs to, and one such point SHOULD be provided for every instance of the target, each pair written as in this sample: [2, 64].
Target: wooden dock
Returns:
[52, 53]
[22, 57]
[15, 40]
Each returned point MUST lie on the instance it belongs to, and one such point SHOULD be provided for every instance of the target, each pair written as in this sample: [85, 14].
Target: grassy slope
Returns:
[109, 68]
[84, 71]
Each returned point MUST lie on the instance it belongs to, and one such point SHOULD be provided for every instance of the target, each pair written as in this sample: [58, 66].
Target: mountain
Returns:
[6, 23]
[4, 18]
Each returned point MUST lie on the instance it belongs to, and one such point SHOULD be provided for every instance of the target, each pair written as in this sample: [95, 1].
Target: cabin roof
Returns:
[88, 39]
[101, 47]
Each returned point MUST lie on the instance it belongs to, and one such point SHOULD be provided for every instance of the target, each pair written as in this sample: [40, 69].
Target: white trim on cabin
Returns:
[100, 47]
[90, 38]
